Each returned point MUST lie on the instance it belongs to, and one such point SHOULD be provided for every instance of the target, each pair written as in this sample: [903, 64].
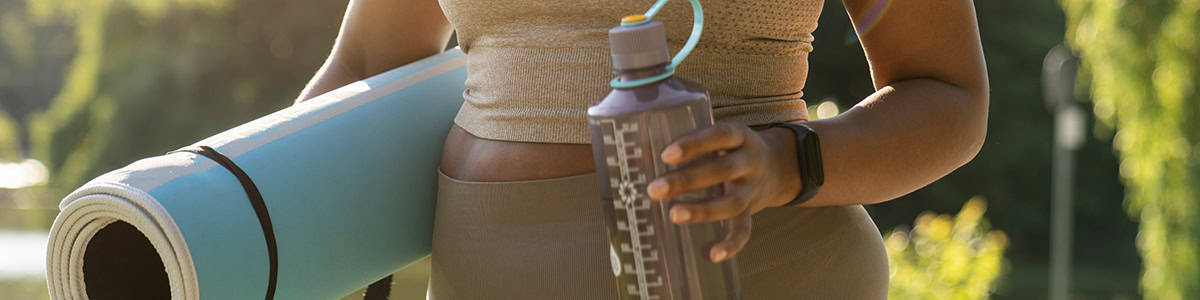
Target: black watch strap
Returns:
[808, 157]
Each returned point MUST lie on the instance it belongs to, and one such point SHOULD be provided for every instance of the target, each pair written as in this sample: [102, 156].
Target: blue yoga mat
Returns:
[348, 180]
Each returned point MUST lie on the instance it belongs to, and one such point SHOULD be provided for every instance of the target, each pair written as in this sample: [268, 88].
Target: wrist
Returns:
[808, 160]
[782, 142]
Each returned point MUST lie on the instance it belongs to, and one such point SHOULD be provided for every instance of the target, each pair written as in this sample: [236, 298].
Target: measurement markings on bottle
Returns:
[628, 185]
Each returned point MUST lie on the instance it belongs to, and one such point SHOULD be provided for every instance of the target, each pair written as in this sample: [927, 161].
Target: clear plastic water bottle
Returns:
[653, 258]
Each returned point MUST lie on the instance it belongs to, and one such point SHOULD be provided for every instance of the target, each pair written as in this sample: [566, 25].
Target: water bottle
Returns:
[653, 258]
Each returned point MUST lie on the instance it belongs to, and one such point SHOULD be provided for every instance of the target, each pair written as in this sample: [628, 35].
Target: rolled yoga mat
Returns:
[310, 202]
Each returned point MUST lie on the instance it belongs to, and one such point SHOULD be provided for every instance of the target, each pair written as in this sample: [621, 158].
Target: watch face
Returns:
[812, 152]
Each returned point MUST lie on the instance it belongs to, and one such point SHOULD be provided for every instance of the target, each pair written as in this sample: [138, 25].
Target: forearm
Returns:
[901, 138]
[376, 36]
[330, 76]
[335, 72]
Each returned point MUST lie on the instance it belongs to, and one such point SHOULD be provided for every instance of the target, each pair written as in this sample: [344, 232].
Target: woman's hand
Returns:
[758, 170]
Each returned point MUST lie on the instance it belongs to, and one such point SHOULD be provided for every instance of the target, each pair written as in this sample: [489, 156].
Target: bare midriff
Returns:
[467, 157]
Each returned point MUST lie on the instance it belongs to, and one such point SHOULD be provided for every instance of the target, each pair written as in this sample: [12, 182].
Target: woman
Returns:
[518, 213]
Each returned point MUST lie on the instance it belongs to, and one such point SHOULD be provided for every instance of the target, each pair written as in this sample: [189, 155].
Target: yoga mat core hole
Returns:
[120, 263]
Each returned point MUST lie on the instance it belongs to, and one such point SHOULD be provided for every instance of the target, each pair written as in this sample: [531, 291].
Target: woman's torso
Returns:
[534, 67]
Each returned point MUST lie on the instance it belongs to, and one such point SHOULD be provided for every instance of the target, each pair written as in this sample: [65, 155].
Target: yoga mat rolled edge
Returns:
[348, 179]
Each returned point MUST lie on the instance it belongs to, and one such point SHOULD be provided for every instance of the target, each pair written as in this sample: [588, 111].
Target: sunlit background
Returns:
[90, 86]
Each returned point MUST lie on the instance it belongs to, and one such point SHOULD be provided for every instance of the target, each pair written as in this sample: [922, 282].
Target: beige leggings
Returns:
[545, 239]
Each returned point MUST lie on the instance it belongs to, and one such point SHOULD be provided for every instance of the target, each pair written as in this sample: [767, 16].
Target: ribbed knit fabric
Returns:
[535, 66]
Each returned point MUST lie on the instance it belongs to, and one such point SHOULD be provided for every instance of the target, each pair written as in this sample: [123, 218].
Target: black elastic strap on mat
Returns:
[256, 200]
[380, 290]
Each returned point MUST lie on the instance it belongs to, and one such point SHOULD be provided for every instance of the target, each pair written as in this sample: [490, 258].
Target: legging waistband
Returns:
[527, 201]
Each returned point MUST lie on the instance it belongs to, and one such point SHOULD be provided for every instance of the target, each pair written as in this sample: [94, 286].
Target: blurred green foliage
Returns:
[153, 75]
[946, 257]
[32, 61]
[24, 289]
[9, 150]
[1141, 64]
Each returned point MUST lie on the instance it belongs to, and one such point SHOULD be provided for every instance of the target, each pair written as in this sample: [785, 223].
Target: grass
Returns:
[31, 288]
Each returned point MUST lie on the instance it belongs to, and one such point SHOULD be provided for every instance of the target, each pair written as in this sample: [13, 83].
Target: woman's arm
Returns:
[378, 35]
[927, 117]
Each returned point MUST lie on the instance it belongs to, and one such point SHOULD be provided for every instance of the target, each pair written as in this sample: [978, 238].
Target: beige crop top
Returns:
[534, 66]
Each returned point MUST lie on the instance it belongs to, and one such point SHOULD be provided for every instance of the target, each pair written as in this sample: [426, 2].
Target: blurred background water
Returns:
[90, 86]
[23, 233]
[25, 252]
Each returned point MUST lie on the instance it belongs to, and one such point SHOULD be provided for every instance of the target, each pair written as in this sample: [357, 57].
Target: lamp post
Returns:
[1058, 84]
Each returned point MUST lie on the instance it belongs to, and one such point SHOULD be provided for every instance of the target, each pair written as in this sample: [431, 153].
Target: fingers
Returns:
[735, 241]
[725, 207]
[734, 207]
[731, 167]
[703, 175]
[718, 137]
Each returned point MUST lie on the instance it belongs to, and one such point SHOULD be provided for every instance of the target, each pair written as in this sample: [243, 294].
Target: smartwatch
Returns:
[808, 157]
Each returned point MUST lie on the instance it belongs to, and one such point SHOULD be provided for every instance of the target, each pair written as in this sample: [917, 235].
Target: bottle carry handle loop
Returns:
[697, 28]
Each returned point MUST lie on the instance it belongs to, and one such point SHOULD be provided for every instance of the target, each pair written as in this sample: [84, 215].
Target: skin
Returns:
[927, 117]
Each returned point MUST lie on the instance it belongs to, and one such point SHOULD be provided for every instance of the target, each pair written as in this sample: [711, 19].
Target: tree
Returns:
[150, 76]
[947, 257]
[9, 148]
[1141, 64]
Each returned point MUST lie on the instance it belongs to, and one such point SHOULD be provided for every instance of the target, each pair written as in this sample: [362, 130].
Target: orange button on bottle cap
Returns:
[633, 18]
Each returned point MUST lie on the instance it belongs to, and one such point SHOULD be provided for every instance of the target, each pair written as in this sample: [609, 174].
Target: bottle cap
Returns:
[638, 46]
[633, 18]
